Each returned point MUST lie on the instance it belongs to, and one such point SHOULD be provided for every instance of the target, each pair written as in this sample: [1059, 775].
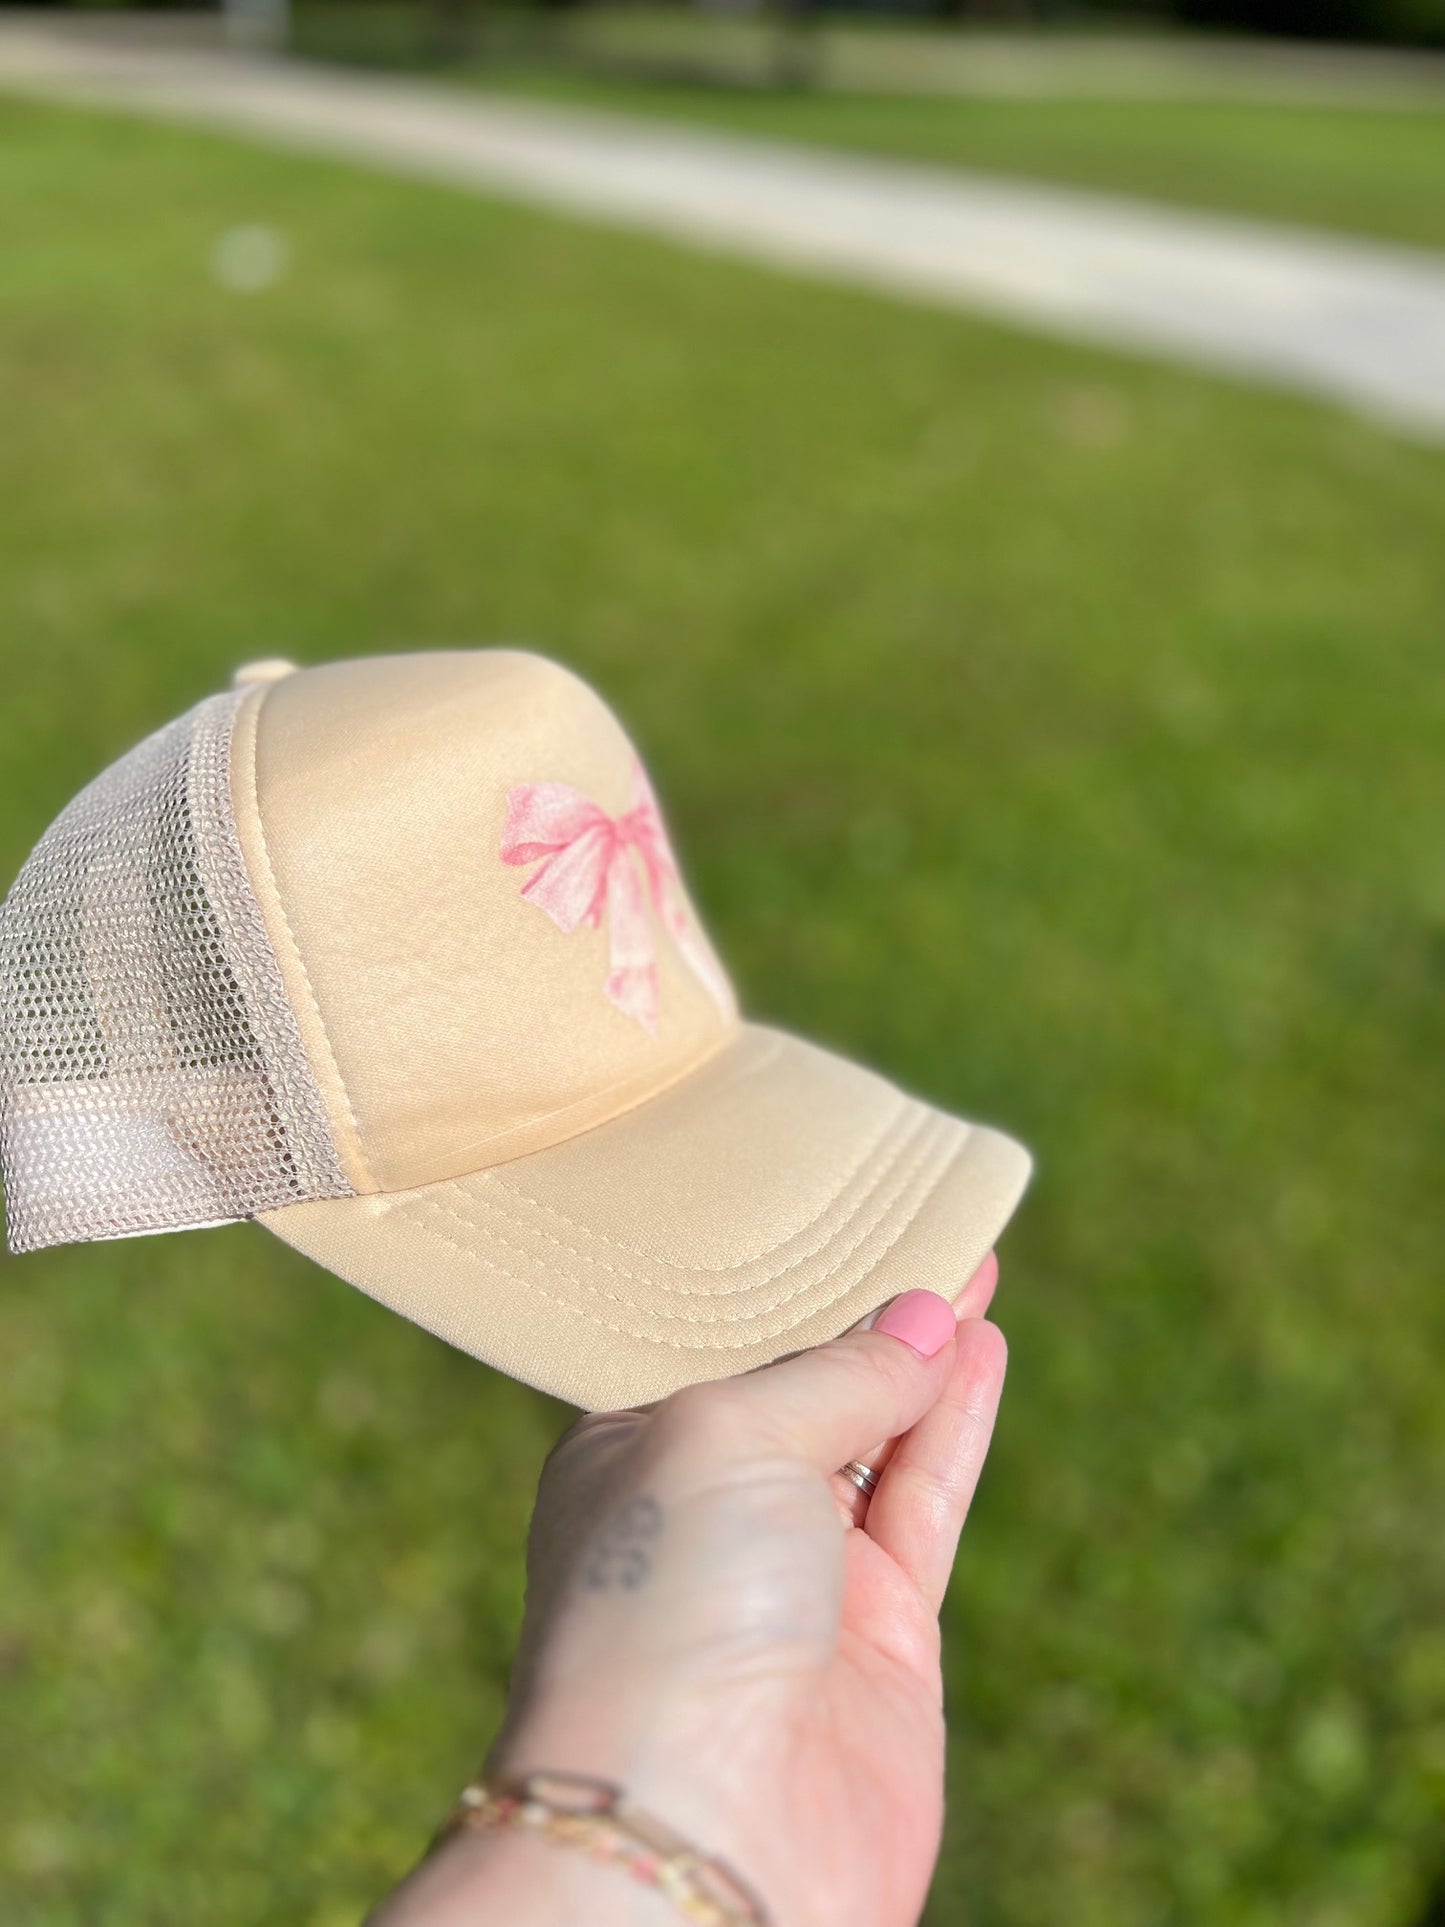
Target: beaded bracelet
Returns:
[595, 1816]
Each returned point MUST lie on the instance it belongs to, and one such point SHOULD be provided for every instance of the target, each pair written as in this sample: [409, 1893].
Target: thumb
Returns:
[828, 1404]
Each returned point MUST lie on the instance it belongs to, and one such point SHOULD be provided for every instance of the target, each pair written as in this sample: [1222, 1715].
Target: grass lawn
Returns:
[1371, 171]
[1065, 735]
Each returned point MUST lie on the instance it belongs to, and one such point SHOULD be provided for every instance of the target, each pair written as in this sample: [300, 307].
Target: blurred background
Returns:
[1049, 702]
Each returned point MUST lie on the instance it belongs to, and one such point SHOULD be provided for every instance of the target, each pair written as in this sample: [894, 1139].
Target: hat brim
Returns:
[765, 1202]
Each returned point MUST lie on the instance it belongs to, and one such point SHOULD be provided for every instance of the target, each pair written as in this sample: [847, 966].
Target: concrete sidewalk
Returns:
[1362, 323]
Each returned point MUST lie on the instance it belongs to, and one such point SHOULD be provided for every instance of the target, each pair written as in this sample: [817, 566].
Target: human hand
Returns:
[700, 1630]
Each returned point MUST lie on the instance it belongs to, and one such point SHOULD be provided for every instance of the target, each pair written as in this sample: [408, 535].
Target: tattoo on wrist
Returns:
[621, 1554]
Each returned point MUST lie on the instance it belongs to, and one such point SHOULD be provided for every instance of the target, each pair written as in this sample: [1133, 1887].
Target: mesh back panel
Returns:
[151, 1072]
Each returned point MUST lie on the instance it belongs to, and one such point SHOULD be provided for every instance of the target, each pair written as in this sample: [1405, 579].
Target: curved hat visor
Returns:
[763, 1203]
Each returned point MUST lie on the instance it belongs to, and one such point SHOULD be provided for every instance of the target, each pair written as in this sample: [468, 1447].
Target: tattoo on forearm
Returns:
[621, 1554]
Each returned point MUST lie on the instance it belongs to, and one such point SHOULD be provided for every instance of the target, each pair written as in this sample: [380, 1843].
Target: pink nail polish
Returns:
[921, 1319]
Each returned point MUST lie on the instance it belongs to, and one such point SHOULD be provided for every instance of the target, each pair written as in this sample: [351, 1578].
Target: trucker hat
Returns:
[394, 957]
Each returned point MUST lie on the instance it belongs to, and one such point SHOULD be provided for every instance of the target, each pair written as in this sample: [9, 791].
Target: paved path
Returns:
[1362, 323]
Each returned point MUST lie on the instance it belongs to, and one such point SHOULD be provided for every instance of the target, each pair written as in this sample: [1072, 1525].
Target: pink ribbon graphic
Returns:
[587, 871]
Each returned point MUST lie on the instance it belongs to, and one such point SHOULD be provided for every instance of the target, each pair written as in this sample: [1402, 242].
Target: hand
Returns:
[718, 1622]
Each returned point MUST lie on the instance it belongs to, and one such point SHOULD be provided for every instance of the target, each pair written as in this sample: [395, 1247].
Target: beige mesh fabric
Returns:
[151, 1072]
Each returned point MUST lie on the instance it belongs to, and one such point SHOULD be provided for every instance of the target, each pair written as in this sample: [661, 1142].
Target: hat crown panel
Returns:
[467, 1022]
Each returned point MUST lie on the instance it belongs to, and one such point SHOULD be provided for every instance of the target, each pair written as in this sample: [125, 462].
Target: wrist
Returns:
[690, 1769]
[525, 1879]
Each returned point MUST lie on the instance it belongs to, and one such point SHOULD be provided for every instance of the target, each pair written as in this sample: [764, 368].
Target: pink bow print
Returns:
[593, 865]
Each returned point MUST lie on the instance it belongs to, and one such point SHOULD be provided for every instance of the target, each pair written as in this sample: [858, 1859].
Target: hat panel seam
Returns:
[710, 1056]
[250, 758]
[516, 1153]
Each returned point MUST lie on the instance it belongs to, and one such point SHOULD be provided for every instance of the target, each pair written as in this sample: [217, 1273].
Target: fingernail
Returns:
[921, 1319]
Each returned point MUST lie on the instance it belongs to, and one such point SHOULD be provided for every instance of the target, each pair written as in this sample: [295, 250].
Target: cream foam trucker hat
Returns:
[393, 956]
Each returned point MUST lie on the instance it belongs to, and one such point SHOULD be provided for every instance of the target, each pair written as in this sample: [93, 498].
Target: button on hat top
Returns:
[269, 669]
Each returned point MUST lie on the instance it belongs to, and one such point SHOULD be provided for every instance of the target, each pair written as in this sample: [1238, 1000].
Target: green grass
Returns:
[1063, 734]
[1372, 171]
